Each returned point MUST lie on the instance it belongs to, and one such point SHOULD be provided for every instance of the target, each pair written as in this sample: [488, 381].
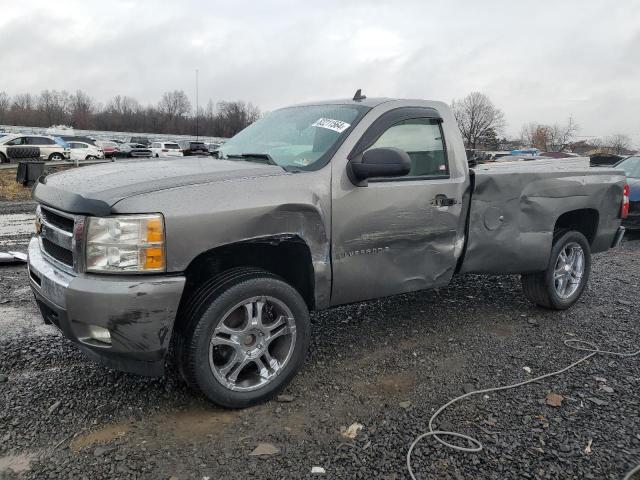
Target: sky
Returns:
[538, 61]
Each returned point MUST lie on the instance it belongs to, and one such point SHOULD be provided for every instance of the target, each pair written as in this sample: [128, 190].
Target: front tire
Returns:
[566, 276]
[246, 335]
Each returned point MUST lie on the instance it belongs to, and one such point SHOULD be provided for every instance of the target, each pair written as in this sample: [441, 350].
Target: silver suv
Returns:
[51, 148]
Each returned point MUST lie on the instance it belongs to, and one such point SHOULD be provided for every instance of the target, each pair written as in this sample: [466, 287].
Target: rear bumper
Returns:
[617, 240]
[632, 222]
[138, 311]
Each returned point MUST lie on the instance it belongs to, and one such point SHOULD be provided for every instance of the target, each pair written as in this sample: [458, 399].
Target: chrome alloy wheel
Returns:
[252, 343]
[568, 270]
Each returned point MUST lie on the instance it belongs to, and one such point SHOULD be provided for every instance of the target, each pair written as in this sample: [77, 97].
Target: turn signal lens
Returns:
[153, 258]
[154, 230]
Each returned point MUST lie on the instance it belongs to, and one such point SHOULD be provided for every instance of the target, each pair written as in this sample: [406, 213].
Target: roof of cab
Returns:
[367, 102]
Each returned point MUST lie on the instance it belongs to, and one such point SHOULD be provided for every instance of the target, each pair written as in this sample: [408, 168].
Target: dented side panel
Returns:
[389, 237]
[206, 216]
[514, 211]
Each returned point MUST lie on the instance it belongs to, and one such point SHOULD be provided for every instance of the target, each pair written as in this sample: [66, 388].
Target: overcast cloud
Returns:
[537, 60]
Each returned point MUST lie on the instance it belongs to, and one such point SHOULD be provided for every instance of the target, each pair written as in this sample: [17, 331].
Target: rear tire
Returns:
[245, 336]
[566, 276]
[56, 157]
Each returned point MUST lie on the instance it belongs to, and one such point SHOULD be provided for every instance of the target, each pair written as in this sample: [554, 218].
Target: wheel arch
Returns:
[287, 256]
[583, 220]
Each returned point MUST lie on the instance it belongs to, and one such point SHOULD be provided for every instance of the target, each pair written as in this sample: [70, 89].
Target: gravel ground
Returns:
[385, 364]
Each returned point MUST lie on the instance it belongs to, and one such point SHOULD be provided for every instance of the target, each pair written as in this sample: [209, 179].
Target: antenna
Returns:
[197, 107]
[358, 96]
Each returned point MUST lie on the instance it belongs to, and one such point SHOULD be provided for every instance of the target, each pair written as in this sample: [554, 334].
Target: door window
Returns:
[18, 141]
[423, 141]
[40, 141]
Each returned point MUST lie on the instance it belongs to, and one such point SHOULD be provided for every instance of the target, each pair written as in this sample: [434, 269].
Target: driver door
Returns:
[398, 234]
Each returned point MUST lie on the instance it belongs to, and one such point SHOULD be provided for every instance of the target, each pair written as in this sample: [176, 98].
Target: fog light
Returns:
[99, 334]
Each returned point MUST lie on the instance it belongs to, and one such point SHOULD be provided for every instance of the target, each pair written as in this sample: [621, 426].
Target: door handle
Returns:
[444, 201]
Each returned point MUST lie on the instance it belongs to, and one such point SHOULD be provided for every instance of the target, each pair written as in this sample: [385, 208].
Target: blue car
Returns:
[631, 166]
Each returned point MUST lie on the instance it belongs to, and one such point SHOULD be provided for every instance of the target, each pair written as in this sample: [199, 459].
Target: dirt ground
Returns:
[10, 189]
[386, 364]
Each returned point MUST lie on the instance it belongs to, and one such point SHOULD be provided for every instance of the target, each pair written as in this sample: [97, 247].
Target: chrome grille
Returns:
[56, 251]
[63, 223]
[55, 232]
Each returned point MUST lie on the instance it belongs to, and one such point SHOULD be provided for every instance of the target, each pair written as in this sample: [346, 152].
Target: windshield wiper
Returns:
[259, 157]
[265, 157]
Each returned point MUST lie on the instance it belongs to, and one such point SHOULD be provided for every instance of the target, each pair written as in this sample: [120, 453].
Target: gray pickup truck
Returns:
[312, 206]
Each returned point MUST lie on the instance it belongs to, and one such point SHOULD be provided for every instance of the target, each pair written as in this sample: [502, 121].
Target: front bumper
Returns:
[139, 312]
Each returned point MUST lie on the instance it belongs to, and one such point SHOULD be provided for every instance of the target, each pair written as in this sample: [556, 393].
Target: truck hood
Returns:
[95, 189]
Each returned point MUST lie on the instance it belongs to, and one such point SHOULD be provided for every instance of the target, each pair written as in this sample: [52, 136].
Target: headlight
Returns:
[129, 243]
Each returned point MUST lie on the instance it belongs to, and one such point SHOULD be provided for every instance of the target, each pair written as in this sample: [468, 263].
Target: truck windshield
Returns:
[297, 137]
[631, 167]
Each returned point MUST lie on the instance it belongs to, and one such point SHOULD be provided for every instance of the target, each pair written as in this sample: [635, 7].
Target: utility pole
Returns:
[197, 107]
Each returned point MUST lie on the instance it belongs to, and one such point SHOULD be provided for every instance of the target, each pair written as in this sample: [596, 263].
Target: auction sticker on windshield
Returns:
[330, 124]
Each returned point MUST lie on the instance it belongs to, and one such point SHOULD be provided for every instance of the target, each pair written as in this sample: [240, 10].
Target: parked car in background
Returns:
[493, 156]
[110, 149]
[85, 151]
[193, 147]
[134, 150]
[631, 167]
[78, 138]
[144, 141]
[213, 148]
[558, 154]
[51, 148]
[604, 159]
[165, 149]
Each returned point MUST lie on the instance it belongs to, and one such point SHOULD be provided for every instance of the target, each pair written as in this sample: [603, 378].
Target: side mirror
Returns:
[382, 162]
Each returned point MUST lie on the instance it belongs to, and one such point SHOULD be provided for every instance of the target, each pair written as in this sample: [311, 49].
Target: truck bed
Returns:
[514, 208]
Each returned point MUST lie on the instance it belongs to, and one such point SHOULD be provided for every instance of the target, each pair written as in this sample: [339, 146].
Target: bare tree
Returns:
[172, 115]
[560, 136]
[81, 107]
[5, 105]
[232, 117]
[174, 104]
[22, 109]
[549, 138]
[617, 144]
[52, 106]
[476, 115]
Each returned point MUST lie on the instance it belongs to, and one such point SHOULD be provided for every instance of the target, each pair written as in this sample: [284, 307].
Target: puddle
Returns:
[388, 385]
[179, 426]
[98, 437]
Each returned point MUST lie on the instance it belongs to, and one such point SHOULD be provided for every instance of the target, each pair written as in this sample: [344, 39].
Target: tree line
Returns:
[481, 123]
[173, 114]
